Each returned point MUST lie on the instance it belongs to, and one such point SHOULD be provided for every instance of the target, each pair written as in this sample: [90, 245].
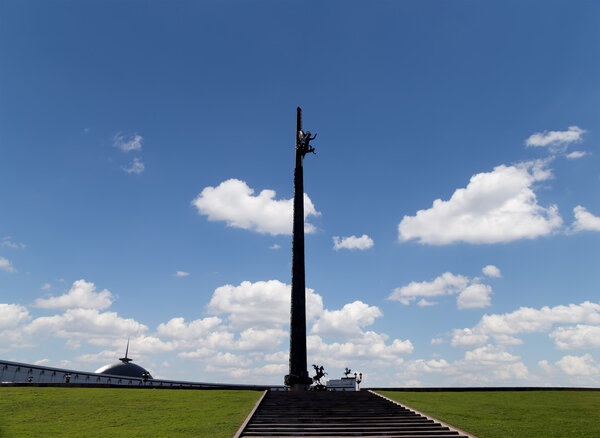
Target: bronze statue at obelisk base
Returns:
[298, 378]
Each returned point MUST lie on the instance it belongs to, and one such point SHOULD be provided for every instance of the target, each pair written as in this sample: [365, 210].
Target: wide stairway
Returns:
[338, 414]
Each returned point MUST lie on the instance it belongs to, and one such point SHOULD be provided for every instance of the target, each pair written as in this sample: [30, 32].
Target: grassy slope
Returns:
[98, 412]
[513, 414]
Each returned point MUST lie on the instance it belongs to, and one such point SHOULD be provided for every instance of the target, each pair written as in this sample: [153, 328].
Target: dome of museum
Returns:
[124, 368]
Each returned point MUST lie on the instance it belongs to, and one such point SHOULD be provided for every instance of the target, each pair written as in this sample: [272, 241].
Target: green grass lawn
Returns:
[99, 412]
[511, 414]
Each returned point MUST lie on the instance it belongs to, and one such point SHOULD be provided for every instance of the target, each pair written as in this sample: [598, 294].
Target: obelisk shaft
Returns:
[298, 368]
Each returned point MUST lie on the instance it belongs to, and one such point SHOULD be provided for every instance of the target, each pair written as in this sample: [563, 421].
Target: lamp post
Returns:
[358, 380]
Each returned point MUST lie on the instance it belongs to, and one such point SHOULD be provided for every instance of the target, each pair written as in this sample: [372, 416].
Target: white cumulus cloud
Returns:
[370, 346]
[85, 324]
[445, 284]
[352, 242]
[347, 321]
[279, 356]
[503, 327]
[579, 336]
[11, 315]
[221, 360]
[490, 353]
[491, 271]
[584, 220]
[82, 294]
[576, 154]
[471, 293]
[6, 241]
[233, 201]
[487, 365]
[275, 370]
[128, 143]
[263, 304]
[468, 338]
[497, 206]
[579, 365]
[181, 274]
[103, 357]
[555, 139]
[177, 328]
[253, 339]
[139, 344]
[200, 353]
[474, 296]
[136, 166]
[6, 265]
[255, 317]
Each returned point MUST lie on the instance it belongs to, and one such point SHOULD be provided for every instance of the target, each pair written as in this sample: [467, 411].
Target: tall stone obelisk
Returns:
[298, 377]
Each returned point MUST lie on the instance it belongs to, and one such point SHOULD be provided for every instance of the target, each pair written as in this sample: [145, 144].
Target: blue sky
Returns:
[146, 177]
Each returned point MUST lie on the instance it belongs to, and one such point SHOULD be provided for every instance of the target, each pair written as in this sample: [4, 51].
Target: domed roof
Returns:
[124, 368]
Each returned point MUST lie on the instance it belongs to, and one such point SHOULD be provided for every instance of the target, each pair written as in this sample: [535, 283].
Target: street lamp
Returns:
[358, 379]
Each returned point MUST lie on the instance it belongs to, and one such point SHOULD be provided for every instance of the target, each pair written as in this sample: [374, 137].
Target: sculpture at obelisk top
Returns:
[298, 377]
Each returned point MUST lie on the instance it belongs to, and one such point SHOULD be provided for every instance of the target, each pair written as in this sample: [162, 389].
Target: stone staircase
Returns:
[339, 414]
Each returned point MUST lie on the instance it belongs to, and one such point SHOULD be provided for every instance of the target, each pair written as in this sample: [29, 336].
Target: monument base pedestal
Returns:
[297, 383]
[298, 387]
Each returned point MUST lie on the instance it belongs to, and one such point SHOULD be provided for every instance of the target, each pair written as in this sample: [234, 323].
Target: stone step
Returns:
[362, 436]
[338, 414]
[322, 426]
[348, 429]
[366, 434]
[317, 422]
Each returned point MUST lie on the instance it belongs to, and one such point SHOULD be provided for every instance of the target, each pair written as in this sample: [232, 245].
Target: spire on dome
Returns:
[126, 359]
